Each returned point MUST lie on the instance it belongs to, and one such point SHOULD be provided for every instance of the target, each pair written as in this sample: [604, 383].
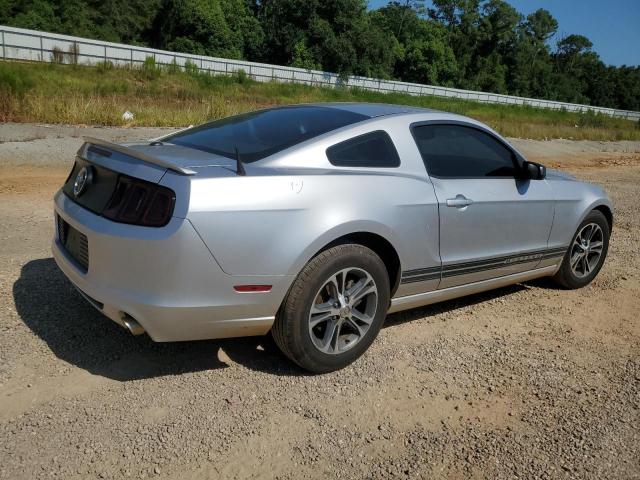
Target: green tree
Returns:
[529, 62]
[461, 19]
[126, 21]
[626, 90]
[495, 41]
[303, 58]
[474, 44]
[422, 52]
[33, 14]
[573, 60]
[76, 19]
[336, 35]
[222, 28]
[245, 26]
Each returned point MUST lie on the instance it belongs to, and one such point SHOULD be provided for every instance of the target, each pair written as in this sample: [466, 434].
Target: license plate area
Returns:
[74, 243]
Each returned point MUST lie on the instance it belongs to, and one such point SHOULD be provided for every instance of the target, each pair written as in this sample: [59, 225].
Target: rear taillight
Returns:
[140, 203]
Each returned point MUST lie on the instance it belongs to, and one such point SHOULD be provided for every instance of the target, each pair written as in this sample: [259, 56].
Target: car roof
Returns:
[373, 110]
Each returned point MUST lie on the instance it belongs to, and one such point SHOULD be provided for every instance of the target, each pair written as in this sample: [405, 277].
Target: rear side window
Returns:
[373, 149]
[454, 151]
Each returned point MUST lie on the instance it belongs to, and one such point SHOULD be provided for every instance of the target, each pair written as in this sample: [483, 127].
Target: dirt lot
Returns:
[526, 381]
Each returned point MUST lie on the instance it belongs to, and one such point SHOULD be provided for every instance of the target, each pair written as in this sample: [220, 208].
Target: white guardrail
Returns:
[32, 45]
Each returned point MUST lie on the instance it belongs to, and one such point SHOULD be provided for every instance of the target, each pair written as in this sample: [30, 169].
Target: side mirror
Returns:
[533, 170]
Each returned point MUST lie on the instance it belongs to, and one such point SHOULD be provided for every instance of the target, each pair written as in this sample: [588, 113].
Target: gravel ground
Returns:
[523, 382]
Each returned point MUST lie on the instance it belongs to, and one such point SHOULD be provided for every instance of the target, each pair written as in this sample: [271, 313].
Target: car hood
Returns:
[553, 174]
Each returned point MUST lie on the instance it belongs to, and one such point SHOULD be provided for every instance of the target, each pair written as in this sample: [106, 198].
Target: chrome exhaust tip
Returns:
[132, 324]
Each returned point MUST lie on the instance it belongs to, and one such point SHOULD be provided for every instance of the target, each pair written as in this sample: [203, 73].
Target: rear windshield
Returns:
[259, 134]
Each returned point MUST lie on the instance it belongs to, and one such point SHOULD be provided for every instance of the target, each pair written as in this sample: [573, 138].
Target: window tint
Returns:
[373, 149]
[257, 135]
[456, 151]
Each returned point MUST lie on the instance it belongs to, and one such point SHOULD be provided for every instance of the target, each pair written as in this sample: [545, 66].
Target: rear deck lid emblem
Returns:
[83, 180]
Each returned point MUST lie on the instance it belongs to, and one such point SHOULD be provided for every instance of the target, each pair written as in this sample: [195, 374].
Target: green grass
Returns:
[53, 93]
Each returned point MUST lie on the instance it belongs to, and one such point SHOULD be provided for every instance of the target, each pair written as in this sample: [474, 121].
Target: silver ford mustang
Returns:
[315, 221]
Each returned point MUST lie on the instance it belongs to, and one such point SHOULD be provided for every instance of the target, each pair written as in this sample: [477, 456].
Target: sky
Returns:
[613, 26]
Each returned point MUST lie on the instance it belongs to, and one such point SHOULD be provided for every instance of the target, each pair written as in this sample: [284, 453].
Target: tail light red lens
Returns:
[138, 202]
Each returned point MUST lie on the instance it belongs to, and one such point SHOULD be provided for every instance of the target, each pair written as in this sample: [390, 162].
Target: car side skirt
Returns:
[455, 269]
[412, 301]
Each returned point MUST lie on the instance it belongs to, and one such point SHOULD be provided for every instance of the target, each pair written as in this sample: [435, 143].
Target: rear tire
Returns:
[586, 253]
[348, 288]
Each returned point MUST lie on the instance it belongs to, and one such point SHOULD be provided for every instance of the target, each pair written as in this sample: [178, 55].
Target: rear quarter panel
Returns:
[272, 225]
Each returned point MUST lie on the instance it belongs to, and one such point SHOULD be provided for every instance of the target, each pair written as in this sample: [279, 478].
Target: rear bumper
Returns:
[165, 278]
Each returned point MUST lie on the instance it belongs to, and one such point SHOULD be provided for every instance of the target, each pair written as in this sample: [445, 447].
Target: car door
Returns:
[491, 222]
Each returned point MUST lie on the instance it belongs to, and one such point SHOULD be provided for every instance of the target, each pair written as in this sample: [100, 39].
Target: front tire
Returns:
[587, 252]
[334, 309]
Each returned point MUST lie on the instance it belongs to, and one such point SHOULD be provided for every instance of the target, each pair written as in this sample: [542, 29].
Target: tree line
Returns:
[482, 45]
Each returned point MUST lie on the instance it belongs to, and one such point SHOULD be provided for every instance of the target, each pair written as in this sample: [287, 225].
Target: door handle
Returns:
[459, 202]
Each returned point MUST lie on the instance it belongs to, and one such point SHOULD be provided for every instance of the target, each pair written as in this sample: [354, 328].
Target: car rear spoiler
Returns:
[139, 155]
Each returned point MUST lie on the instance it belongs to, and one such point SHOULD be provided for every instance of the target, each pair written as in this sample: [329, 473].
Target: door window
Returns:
[454, 151]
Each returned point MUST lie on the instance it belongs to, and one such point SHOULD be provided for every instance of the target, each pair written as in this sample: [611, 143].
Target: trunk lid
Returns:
[102, 163]
[183, 158]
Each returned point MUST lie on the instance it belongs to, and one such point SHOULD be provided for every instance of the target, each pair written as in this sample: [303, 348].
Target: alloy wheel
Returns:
[343, 310]
[586, 250]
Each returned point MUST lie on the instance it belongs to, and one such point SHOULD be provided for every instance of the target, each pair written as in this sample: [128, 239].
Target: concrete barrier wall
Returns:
[32, 45]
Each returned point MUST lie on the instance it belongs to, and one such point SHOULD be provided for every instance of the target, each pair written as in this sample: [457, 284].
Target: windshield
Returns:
[259, 134]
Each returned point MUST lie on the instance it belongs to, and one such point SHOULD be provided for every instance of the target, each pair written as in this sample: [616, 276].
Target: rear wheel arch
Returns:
[380, 246]
[292, 329]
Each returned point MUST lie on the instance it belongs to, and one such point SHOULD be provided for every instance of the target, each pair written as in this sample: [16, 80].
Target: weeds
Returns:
[13, 88]
[592, 119]
[191, 68]
[241, 76]
[12, 82]
[73, 53]
[150, 70]
[58, 93]
[103, 67]
[57, 55]
[172, 68]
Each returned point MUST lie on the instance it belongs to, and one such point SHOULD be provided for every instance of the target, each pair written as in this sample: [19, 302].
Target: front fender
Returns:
[574, 201]
[599, 203]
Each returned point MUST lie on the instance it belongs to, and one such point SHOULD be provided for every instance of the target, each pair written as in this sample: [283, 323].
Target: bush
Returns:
[191, 68]
[241, 76]
[592, 119]
[149, 69]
